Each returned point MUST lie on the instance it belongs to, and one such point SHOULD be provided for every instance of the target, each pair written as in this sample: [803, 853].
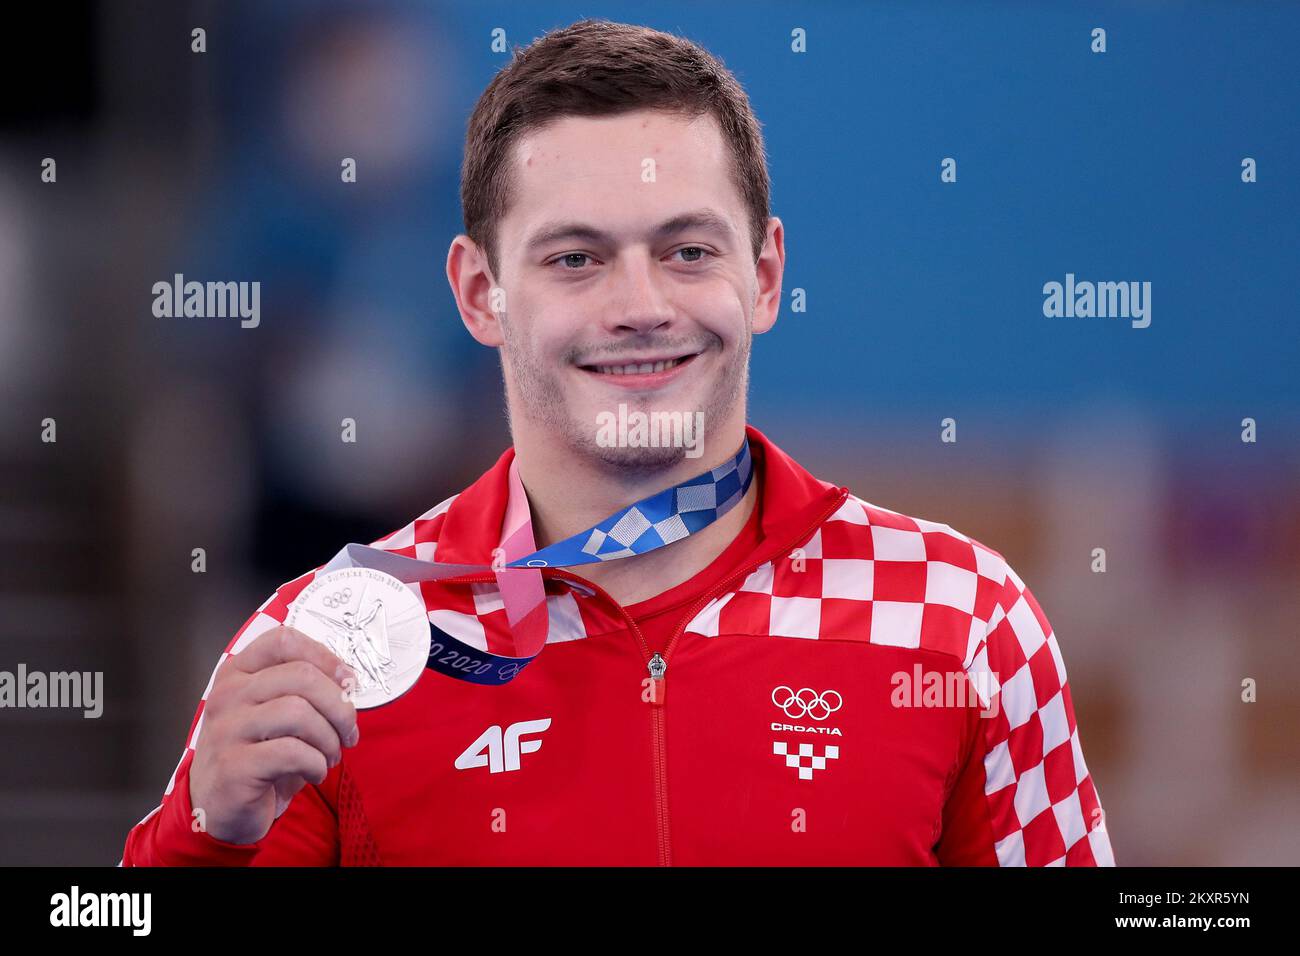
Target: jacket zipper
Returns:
[657, 664]
[656, 673]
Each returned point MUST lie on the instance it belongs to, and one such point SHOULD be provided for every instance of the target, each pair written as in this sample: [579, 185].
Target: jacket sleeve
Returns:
[1022, 795]
[305, 833]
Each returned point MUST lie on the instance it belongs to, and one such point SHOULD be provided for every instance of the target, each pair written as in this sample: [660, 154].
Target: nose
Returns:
[639, 300]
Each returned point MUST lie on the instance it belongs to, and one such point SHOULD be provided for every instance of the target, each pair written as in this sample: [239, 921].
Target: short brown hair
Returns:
[600, 68]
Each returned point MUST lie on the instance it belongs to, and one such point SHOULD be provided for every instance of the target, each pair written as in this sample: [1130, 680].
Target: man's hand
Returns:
[277, 717]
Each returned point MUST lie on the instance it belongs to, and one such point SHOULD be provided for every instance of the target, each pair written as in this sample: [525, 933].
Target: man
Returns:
[807, 679]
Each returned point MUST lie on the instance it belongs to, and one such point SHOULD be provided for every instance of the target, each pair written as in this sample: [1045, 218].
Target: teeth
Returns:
[642, 368]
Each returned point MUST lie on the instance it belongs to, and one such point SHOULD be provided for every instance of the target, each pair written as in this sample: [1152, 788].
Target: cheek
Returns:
[728, 319]
[540, 350]
[726, 302]
[560, 334]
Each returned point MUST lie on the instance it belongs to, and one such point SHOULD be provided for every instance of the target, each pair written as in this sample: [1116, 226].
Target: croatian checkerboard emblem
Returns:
[812, 708]
[805, 758]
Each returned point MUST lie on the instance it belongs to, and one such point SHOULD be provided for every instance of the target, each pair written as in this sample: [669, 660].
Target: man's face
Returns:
[625, 244]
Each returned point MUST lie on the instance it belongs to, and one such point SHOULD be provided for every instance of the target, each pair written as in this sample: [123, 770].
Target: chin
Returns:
[639, 459]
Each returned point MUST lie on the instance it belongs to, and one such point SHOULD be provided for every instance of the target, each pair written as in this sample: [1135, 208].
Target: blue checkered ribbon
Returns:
[653, 522]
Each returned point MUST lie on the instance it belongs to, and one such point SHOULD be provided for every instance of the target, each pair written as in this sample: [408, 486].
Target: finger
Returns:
[304, 680]
[286, 788]
[282, 644]
[271, 760]
[227, 672]
[292, 717]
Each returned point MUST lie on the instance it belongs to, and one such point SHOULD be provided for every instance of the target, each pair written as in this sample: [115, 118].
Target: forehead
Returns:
[595, 168]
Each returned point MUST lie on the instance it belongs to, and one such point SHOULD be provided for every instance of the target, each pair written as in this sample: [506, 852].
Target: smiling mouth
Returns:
[639, 368]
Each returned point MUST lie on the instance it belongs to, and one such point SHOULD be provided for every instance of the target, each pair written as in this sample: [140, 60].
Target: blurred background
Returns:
[923, 302]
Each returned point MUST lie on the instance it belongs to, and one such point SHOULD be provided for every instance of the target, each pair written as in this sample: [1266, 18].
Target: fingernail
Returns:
[344, 674]
[355, 738]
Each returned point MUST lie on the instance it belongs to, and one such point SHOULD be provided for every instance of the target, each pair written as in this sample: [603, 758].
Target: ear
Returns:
[769, 269]
[478, 297]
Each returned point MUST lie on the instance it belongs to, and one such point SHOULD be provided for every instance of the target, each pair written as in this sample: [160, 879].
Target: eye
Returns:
[568, 259]
[693, 253]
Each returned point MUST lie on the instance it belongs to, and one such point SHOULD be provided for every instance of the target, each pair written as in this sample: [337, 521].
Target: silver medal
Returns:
[373, 623]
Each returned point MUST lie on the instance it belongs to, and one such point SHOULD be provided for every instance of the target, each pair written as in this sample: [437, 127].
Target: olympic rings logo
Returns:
[806, 701]
[509, 671]
[338, 598]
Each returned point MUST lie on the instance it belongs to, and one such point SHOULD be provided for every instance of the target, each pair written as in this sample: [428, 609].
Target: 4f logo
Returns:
[499, 750]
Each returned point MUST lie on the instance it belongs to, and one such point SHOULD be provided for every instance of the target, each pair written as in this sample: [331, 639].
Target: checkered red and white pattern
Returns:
[875, 575]
[805, 758]
[416, 539]
[866, 574]
[470, 616]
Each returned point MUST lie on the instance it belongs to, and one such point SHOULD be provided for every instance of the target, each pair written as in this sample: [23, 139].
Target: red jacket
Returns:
[867, 688]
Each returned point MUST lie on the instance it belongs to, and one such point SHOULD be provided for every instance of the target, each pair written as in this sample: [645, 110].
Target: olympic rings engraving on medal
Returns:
[338, 598]
[795, 706]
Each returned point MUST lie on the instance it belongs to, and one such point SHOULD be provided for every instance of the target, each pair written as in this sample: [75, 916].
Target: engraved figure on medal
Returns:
[365, 651]
[373, 623]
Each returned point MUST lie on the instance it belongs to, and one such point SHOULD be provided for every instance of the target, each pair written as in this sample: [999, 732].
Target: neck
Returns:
[567, 495]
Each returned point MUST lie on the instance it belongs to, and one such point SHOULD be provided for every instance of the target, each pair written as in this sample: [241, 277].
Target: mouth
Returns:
[641, 372]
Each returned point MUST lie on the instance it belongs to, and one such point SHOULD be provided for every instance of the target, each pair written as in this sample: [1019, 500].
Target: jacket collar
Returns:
[792, 500]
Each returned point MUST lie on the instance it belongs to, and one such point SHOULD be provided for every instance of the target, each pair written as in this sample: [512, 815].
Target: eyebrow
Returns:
[703, 219]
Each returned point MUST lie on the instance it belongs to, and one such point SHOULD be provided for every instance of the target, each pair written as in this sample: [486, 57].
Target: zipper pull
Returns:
[656, 687]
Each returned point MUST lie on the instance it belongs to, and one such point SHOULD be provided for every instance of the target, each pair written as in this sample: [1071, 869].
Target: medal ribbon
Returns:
[651, 523]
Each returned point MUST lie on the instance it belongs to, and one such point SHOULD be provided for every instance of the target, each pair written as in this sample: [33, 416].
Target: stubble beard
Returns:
[542, 397]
